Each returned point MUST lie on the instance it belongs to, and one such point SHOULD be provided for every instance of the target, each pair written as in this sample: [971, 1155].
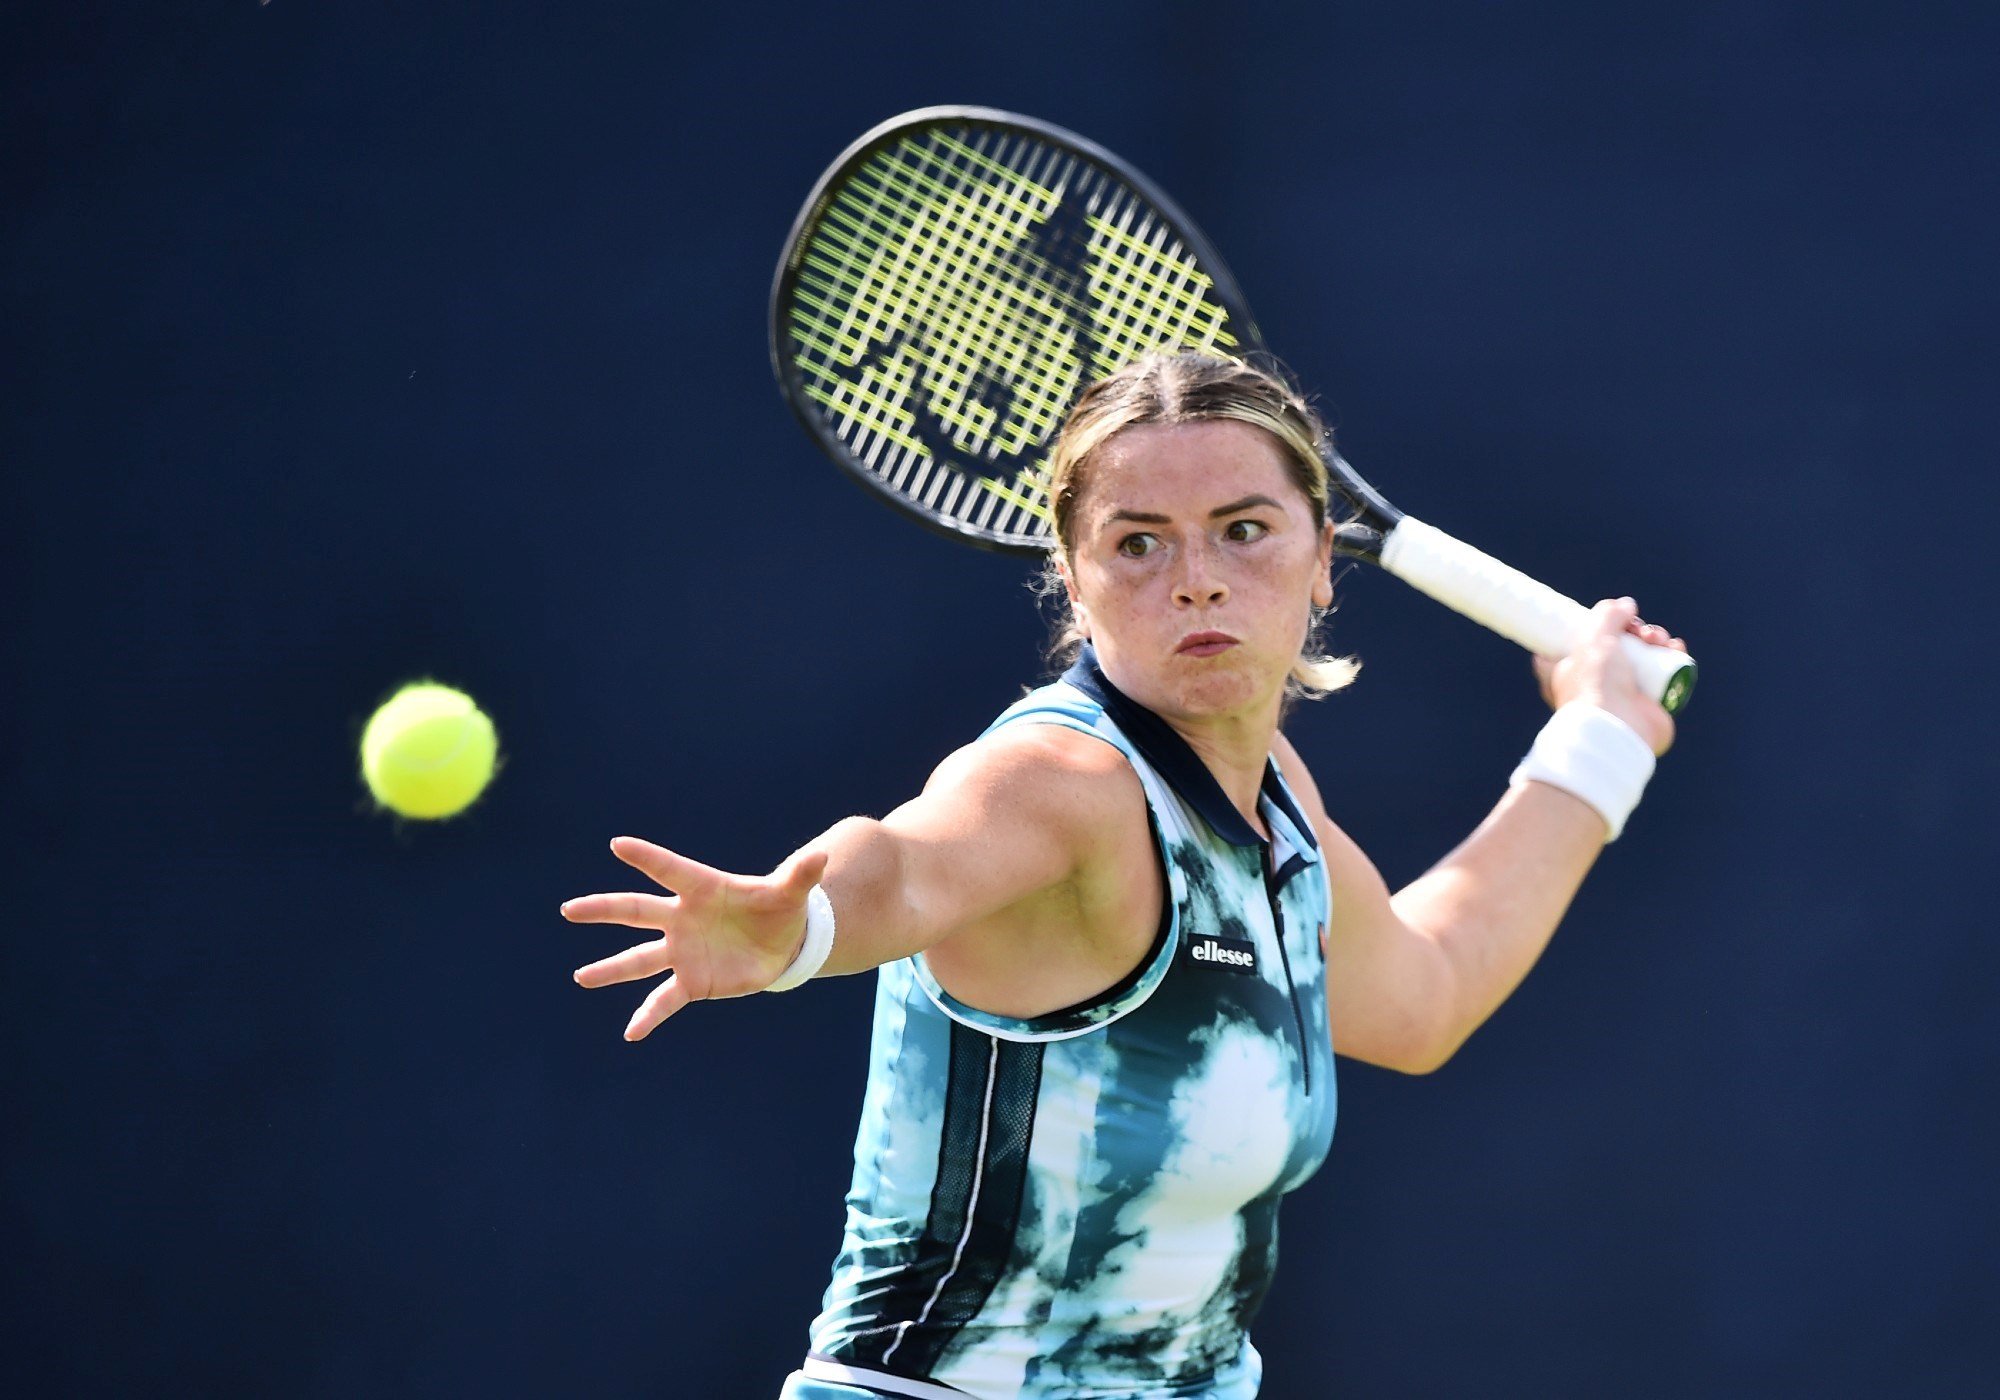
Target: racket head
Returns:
[954, 281]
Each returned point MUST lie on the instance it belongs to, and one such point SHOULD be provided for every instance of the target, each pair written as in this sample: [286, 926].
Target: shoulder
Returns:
[1058, 804]
[1048, 772]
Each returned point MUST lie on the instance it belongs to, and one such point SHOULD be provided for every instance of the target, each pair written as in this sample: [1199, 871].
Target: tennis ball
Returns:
[428, 752]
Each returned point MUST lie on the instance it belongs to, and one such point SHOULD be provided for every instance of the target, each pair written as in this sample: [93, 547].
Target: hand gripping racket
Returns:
[960, 275]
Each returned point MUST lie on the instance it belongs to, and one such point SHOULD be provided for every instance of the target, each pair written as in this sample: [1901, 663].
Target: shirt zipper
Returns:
[1284, 959]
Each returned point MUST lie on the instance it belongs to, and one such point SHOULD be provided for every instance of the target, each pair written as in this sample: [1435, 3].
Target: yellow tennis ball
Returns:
[428, 752]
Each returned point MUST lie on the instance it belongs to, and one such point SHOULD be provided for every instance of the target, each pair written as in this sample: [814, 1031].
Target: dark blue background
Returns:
[351, 343]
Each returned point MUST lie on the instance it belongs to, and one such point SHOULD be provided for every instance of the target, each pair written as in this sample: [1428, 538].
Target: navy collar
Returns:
[1180, 765]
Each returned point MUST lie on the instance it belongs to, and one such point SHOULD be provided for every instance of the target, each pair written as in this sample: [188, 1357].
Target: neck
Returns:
[1233, 744]
[1235, 749]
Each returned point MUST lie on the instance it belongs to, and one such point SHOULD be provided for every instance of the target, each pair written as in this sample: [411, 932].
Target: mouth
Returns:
[1204, 644]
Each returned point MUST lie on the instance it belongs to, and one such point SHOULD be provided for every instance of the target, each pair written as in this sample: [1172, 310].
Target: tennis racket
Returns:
[960, 275]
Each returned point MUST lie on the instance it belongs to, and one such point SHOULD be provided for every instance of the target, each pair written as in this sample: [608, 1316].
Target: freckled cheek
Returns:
[1281, 592]
[1134, 584]
[1272, 579]
[1139, 602]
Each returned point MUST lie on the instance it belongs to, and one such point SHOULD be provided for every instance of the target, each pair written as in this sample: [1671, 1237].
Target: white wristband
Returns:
[1591, 754]
[818, 944]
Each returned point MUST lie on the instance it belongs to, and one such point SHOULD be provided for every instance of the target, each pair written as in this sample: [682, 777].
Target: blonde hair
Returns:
[1189, 387]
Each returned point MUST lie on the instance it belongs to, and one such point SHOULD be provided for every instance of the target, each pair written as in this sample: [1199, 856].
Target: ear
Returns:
[1076, 608]
[1322, 593]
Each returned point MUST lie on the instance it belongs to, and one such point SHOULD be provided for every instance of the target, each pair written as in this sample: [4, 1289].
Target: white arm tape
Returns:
[1591, 754]
[818, 943]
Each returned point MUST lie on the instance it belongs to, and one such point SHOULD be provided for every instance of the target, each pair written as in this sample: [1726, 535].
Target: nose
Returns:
[1200, 583]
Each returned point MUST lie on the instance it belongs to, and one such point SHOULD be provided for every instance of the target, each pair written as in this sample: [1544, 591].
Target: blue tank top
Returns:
[1086, 1204]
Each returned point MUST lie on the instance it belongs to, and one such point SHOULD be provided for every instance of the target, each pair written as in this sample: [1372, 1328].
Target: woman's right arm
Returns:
[1012, 816]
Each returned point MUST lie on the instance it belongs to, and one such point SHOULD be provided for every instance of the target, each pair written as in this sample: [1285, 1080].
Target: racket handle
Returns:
[1507, 601]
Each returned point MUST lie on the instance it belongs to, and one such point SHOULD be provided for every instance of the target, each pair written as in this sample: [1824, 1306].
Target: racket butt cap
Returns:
[1680, 688]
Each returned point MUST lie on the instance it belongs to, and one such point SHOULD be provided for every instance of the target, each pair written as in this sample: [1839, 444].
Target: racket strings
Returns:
[900, 277]
[991, 326]
[958, 290]
[959, 388]
[1002, 312]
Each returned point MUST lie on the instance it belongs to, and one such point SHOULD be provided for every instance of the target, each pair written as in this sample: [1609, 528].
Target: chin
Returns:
[1218, 690]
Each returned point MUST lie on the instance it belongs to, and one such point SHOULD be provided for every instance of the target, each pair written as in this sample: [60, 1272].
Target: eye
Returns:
[1243, 531]
[1137, 546]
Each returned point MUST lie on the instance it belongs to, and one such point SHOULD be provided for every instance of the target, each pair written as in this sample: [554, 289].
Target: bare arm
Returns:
[1411, 976]
[1000, 821]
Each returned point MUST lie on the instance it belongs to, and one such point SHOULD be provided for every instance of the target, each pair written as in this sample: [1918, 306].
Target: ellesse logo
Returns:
[1227, 954]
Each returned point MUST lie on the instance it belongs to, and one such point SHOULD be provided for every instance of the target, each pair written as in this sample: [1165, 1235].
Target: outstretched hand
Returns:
[1599, 673]
[721, 935]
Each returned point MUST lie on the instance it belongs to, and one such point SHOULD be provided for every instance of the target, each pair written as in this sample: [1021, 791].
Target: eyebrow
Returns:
[1143, 517]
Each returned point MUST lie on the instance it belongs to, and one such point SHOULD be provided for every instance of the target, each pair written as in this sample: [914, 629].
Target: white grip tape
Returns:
[1594, 755]
[813, 953]
[1505, 600]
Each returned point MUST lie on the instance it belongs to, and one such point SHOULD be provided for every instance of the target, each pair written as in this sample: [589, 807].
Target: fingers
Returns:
[631, 910]
[1654, 635]
[645, 960]
[649, 911]
[1614, 615]
[1651, 633]
[746, 917]
[662, 866]
[1545, 674]
[662, 1002]
[1599, 672]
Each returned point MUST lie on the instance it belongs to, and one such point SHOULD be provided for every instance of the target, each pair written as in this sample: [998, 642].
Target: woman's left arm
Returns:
[1410, 976]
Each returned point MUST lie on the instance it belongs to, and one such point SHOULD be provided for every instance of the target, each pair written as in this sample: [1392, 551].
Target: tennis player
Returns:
[1120, 940]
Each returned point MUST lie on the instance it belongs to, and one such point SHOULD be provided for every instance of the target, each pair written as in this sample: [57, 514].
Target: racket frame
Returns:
[1223, 288]
[1454, 573]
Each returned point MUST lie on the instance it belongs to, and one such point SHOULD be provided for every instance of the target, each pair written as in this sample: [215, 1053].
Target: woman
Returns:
[1120, 939]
